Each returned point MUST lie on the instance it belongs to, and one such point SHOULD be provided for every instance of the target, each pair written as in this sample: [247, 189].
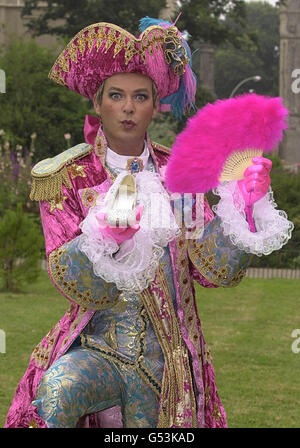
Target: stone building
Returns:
[204, 65]
[290, 78]
[11, 23]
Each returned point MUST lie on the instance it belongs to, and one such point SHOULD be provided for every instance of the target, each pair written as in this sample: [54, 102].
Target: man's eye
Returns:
[141, 97]
[115, 96]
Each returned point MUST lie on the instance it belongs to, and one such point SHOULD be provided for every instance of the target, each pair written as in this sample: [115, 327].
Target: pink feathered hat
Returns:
[103, 49]
[220, 141]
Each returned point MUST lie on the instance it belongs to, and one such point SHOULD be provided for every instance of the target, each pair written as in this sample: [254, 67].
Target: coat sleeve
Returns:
[215, 260]
[69, 269]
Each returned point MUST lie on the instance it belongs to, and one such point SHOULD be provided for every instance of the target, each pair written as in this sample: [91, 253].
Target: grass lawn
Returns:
[248, 329]
[26, 318]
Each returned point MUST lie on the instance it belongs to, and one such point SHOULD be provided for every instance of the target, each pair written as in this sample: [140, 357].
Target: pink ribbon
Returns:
[91, 126]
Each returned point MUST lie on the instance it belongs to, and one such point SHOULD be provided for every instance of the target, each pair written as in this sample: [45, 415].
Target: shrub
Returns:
[15, 168]
[286, 188]
[20, 230]
[164, 127]
[20, 249]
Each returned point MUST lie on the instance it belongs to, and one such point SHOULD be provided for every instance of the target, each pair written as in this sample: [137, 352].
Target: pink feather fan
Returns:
[220, 141]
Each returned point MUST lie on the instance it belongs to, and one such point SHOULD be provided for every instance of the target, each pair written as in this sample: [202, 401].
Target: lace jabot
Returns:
[133, 264]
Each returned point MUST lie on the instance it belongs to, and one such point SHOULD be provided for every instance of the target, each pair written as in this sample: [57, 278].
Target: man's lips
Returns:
[128, 124]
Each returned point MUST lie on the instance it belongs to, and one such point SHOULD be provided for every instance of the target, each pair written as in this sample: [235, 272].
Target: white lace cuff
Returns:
[273, 229]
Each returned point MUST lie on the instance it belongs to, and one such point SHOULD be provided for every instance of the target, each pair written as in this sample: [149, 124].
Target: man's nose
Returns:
[128, 106]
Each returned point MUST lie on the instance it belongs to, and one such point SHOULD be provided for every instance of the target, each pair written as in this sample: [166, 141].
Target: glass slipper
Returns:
[122, 202]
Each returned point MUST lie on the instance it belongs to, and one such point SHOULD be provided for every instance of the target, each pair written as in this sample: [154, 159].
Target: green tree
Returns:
[208, 21]
[286, 188]
[164, 128]
[66, 17]
[259, 57]
[20, 249]
[34, 104]
[203, 96]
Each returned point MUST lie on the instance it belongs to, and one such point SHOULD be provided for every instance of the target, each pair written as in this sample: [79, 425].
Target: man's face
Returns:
[126, 108]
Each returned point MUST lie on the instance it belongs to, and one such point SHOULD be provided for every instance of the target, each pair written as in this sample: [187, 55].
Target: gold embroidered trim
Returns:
[145, 373]
[187, 301]
[175, 52]
[160, 147]
[216, 412]
[43, 351]
[81, 312]
[122, 361]
[100, 151]
[69, 288]
[89, 197]
[111, 355]
[110, 335]
[207, 395]
[57, 203]
[76, 170]
[177, 373]
[207, 355]
[33, 424]
[218, 276]
[187, 298]
[108, 34]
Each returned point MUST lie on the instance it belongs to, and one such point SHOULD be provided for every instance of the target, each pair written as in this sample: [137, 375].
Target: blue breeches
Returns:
[83, 382]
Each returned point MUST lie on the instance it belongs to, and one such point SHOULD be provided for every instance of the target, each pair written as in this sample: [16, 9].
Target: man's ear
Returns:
[96, 106]
[155, 109]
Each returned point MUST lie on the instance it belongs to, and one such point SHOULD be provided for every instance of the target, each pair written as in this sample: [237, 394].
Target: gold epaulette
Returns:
[162, 148]
[49, 175]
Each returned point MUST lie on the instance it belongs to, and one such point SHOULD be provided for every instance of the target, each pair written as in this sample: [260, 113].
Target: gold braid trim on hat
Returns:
[154, 37]
[175, 53]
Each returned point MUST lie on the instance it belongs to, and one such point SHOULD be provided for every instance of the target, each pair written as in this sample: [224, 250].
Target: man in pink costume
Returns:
[129, 351]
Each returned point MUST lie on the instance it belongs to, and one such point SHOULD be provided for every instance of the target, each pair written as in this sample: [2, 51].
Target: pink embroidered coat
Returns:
[210, 260]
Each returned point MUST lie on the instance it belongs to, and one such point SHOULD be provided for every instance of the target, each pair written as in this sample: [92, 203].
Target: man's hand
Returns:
[120, 234]
[257, 180]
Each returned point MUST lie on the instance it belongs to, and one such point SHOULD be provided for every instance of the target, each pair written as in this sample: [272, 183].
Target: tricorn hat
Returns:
[103, 49]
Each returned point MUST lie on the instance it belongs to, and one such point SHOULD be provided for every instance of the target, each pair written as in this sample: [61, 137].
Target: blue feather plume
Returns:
[182, 99]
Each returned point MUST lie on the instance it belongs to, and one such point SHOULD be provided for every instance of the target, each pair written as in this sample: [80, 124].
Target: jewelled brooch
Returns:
[135, 165]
